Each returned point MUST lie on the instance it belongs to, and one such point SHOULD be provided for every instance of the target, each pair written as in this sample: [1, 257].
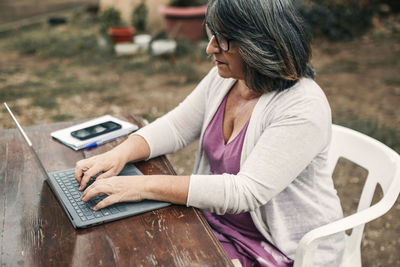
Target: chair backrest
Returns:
[382, 164]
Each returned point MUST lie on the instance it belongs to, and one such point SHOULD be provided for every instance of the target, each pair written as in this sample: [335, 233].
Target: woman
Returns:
[264, 127]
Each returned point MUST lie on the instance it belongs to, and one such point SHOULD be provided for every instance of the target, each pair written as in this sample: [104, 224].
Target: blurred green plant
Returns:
[139, 17]
[186, 3]
[338, 20]
[110, 17]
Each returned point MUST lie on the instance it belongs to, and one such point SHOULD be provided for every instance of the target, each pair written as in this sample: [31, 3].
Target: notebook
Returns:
[81, 214]
[65, 137]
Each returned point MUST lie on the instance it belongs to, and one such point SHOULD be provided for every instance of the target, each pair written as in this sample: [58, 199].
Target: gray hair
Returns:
[270, 37]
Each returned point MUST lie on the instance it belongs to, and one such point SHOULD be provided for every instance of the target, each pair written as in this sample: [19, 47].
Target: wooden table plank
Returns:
[32, 216]
[36, 232]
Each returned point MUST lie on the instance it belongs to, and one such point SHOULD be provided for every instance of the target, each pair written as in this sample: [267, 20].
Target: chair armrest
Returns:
[308, 244]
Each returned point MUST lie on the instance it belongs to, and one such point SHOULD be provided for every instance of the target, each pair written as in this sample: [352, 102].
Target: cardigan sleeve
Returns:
[298, 132]
[182, 125]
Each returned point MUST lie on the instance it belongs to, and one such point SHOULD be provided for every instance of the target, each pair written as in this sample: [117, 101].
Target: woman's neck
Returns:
[241, 90]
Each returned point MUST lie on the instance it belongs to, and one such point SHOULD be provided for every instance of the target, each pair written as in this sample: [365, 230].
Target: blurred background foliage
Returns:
[338, 20]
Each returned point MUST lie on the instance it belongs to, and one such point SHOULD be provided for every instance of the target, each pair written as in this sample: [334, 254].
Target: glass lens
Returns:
[221, 41]
[209, 33]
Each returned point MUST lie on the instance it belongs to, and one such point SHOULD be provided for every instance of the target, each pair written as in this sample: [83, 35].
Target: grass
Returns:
[180, 68]
[340, 66]
[372, 128]
[392, 81]
[53, 84]
[25, 89]
[14, 70]
[78, 43]
[393, 61]
[75, 46]
[62, 117]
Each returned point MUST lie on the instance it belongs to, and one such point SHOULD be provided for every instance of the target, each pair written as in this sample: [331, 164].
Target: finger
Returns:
[92, 191]
[80, 167]
[89, 174]
[107, 174]
[107, 202]
[97, 188]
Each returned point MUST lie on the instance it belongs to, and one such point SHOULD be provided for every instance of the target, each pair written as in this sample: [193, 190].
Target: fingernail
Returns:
[95, 208]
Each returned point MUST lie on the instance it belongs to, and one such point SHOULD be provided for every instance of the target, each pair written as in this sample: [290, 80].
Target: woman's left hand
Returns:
[118, 189]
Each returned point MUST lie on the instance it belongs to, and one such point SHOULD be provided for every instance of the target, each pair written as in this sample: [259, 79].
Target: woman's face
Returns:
[229, 63]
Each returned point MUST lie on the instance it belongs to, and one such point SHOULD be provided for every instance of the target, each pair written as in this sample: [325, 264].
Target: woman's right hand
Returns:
[109, 163]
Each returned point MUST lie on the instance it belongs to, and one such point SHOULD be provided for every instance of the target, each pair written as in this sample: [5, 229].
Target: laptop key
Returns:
[87, 211]
[121, 207]
[105, 212]
[113, 210]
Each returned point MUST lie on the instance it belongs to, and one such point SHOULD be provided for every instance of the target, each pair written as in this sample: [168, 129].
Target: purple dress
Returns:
[236, 232]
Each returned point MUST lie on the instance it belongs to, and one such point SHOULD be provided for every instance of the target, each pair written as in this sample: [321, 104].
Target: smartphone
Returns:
[96, 130]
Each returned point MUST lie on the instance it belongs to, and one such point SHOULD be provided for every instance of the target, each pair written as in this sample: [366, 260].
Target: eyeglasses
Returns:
[222, 42]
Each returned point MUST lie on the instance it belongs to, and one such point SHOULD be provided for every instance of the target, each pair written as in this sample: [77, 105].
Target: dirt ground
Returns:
[360, 78]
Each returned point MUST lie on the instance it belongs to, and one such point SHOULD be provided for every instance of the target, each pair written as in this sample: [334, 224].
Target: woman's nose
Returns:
[212, 47]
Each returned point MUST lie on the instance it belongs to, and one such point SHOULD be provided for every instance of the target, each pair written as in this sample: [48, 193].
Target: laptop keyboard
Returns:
[70, 187]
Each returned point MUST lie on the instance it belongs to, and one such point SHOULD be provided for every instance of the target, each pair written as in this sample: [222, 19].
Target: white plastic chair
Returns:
[383, 165]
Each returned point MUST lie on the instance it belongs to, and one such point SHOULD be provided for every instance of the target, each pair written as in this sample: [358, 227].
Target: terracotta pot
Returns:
[121, 34]
[184, 22]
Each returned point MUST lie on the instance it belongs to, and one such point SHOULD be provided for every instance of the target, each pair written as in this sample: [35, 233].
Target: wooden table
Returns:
[35, 231]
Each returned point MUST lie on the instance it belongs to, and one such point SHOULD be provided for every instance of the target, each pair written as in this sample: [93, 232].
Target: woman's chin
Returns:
[223, 73]
[227, 74]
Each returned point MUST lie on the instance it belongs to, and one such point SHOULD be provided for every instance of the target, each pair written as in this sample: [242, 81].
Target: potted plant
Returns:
[185, 18]
[139, 17]
[112, 24]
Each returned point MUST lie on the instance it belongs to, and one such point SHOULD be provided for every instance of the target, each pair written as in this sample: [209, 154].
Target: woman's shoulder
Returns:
[305, 92]
[305, 88]
[305, 100]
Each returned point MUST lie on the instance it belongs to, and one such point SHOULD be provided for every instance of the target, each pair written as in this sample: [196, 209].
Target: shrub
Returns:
[111, 17]
[338, 20]
[183, 3]
[139, 17]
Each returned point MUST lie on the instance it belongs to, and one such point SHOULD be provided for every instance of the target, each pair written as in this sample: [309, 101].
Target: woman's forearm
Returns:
[168, 188]
[135, 148]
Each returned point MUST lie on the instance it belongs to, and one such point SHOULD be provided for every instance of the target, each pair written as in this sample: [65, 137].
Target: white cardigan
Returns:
[282, 181]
